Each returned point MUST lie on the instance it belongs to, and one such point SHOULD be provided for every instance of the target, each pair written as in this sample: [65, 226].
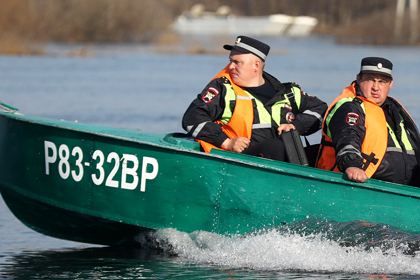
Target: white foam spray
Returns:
[276, 251]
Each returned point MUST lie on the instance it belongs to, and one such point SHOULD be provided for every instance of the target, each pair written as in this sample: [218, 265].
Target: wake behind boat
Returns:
[109, 186]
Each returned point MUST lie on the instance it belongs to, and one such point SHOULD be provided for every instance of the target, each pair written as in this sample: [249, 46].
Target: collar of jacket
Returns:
[277, 85]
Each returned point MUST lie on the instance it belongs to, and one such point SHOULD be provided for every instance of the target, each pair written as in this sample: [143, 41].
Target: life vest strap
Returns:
[324, 142]
[369, 159]
[291, 96]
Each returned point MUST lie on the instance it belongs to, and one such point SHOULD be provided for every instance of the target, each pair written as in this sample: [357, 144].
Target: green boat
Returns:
[112, 186]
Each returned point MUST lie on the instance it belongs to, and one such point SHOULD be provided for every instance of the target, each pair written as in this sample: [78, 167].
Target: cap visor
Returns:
[375, 72]
[228, 47]
[242, 50]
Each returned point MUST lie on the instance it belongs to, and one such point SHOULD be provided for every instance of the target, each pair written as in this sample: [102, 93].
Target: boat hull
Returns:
[127, 182]
[71, 225]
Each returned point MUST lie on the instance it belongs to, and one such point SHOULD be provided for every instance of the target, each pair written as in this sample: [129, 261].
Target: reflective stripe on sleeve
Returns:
[197, 129]
[399, 150]
[349, 149]
[315, 114]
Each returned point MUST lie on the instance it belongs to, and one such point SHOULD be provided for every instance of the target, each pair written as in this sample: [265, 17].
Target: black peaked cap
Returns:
[376, 65]
[249, 45]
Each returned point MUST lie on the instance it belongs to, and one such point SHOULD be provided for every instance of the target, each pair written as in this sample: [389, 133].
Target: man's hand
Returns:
[356, 174]
[237, 144]
[285, 127]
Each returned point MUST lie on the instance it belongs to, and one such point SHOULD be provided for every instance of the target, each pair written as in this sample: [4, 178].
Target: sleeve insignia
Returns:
[210, 94]
[352, 118]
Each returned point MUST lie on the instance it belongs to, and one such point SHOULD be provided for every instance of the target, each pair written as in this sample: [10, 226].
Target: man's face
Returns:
[375, 86]
[242, 67]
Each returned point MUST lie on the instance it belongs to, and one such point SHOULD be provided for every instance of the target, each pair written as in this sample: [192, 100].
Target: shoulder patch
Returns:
[352, 118]
[295, 84]
[224, 80]
[210, 94]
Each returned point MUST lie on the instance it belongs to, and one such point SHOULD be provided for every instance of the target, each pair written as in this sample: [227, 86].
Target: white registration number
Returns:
[128, 164]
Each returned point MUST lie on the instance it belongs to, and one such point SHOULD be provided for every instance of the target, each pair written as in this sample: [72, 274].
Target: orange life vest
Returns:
[374, 145]
[240, 124]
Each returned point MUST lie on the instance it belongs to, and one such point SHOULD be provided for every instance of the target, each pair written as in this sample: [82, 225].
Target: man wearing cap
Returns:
[244, 109]
[368, 134]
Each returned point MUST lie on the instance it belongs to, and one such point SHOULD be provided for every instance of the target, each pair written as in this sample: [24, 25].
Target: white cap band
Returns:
[252, 50]
[376, 69]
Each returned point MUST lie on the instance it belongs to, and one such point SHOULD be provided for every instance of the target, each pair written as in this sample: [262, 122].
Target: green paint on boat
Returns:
[109, 186]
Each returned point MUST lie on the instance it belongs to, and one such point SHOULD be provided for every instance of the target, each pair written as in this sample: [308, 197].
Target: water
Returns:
[135, 87]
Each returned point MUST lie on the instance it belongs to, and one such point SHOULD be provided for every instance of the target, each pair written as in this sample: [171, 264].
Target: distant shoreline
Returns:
[26, 25]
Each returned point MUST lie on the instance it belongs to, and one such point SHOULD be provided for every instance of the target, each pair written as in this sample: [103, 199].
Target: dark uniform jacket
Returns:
[199, 118]
[396, 166]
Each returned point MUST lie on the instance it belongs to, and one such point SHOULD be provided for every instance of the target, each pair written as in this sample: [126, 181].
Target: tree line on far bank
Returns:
[23, 22]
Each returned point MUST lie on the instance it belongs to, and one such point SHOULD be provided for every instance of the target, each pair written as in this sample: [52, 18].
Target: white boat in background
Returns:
[302, 26]
[197, 21]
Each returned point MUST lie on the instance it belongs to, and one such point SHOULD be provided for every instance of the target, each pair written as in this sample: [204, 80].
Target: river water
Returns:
[143, 88]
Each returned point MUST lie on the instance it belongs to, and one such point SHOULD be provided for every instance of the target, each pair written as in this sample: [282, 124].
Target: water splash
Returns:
[359, 233]
[308, 246]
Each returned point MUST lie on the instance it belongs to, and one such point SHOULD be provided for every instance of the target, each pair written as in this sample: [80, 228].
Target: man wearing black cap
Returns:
[368, 134]
[244, 109]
